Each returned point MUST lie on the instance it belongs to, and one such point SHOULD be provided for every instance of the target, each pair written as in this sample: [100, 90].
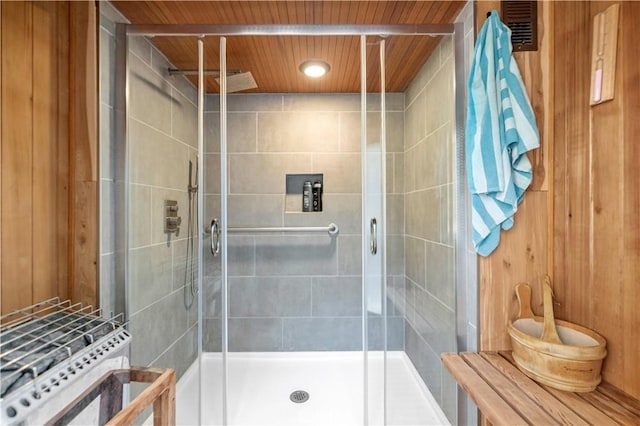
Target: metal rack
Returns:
[45, 346]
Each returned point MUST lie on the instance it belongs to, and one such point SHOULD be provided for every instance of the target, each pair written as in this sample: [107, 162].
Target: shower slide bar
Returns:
[332, 229]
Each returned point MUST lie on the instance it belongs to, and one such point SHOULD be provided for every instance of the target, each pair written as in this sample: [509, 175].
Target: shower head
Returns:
[239, 82]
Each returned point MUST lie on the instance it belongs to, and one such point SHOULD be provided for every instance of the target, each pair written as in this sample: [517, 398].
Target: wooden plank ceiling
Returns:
[274, 60]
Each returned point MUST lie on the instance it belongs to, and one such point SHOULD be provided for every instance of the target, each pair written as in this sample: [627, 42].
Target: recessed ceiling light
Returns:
[314, 68]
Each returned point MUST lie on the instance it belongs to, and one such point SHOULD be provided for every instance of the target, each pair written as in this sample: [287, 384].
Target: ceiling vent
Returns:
[522, 18]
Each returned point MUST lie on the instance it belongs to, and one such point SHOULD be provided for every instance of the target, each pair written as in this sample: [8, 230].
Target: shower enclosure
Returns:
[355, 288]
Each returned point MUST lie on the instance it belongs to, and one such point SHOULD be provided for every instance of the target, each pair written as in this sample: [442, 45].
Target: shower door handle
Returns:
[215, 237]
[373, 229]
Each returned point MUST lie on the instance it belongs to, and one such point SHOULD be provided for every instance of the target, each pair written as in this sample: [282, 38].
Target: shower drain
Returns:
[299, 396]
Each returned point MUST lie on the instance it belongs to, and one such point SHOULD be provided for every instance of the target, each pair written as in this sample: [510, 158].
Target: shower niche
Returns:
[298, 198]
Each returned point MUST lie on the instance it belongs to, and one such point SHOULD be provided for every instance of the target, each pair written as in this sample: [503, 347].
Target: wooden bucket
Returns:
[559, 354]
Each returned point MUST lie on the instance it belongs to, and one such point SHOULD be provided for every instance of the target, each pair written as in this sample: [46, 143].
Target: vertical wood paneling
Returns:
[62, 191]
[36, 195]
[522, 255]
[596, 193]
[572, 158]
[1, 135]
[83, 96]
[17, 154]
[593, 231]
[605, 289]
[630, 359]
[45, 142]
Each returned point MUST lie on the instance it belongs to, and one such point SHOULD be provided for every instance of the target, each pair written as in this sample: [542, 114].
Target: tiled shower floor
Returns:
[260, 385]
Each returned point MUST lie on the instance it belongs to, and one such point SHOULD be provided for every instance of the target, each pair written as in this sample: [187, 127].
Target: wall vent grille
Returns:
[522, 18]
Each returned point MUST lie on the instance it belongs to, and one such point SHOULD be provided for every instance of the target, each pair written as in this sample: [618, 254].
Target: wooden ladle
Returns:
[549, 332]
[523, 292]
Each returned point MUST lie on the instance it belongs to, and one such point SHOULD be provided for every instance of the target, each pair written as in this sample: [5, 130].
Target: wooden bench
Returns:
[505, 396]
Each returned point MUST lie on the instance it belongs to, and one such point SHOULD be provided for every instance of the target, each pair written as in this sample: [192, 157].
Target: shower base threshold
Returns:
[261, 386]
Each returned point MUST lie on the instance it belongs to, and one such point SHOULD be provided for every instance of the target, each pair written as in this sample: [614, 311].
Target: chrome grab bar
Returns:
[373, 229]
[332, 229]
[215, 237]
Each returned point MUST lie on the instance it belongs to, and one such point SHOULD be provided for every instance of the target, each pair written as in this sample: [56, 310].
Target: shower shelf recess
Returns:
[293, 190]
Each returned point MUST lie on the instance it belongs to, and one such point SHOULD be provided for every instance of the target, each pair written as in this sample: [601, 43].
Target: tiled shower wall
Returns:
[297, 292]
[429, 148]
[162, 138]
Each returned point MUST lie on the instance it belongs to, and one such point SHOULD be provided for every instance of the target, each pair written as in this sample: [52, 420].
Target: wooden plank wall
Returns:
[579, 222]
[522, 253]
[83, 115]
[596, 192]
[38, 196]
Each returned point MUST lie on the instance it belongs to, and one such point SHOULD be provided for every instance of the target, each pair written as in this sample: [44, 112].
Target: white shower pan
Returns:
[260, 385]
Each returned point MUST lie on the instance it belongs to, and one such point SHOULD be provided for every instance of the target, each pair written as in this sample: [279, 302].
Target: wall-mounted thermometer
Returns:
[603, 54]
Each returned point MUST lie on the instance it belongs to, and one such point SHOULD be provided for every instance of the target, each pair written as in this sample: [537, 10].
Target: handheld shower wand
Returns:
[192, 188]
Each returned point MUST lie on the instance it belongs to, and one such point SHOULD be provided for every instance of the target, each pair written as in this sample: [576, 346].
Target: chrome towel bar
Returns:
[332, 229]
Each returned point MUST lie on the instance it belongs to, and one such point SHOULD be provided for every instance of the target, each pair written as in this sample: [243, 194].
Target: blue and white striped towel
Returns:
[501, 128]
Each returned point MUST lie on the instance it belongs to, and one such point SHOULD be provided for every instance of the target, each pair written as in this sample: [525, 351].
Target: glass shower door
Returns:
[212, 310]
[374, 225]
[293, 290]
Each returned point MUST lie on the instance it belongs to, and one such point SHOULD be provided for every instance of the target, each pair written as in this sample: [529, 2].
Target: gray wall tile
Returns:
[107, 215]
[140, 47]
[395, 214]
[270, 296]
[342, 209]
[153, 157]
[321, 102]
[139, 215]
[264, 173]
[241, 255]
[341, 172]
[298, 132]
[322, 334]
[212, 302]
[107, 142]
[155, 330]
[242, 132]
[414, 123]
[415, 260]
[255, 334]
[422, 210]
[296, 255]
[212, 335]
[151, 275]
[212, 132]
[336, 296]
[107, 285]
[255, 210]
[253, 102]
[181, 265]
[350, 132]
[435, 323]
[184, 119]
[349, 255]
[440, 273]
[107, 66]
[181, 353]
[395, 254]
[212, 174]
[149, 96]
